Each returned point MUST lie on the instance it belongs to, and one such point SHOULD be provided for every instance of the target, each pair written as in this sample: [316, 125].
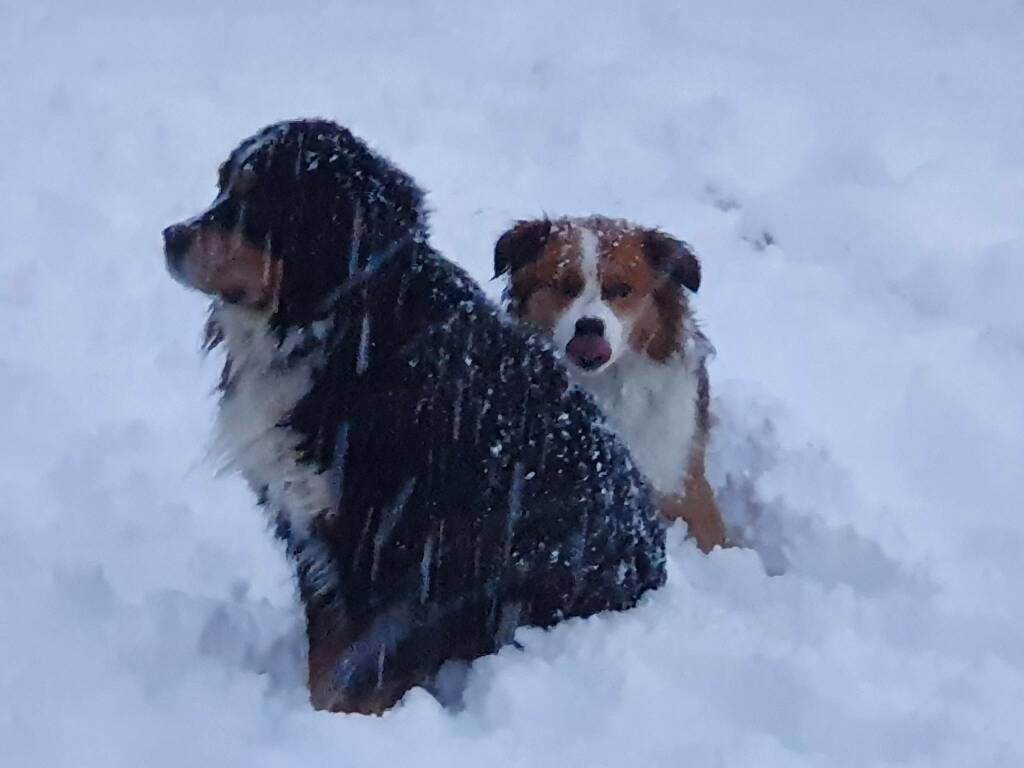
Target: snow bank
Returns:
[851, 174]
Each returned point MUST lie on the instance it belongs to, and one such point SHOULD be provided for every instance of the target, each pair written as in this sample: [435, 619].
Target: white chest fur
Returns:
[653, 408]
[250, 438]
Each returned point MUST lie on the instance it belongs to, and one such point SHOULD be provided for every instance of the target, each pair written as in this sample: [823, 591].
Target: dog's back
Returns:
[477, 491]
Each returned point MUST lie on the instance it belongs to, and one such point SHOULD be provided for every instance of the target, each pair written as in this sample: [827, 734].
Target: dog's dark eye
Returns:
[570, 287]
[617, 291]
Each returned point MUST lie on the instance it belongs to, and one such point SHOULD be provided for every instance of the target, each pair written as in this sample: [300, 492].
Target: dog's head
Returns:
[600, 286]
[300, 207]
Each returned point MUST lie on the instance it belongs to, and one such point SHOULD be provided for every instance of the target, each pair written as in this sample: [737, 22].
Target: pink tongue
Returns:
[590, 349]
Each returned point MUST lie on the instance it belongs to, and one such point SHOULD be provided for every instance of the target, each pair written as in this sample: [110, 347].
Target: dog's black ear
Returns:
[520, 245]
[673, 257]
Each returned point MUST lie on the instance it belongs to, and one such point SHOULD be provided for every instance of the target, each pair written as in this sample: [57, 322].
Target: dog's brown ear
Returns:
[520, 245]
[674, 258]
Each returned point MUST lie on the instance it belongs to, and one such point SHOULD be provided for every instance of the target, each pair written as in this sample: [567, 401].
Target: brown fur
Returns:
[697, 505]
[659, 328]
[226, 264]
[544, 288]
[326, 644]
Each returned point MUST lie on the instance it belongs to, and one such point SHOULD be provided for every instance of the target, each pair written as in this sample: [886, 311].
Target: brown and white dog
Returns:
[614, 298]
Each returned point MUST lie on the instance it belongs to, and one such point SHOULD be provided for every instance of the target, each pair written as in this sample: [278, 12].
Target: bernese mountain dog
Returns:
[436, 479]
[614, 298]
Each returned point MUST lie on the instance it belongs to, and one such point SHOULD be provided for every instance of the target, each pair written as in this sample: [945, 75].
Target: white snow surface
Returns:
[852, 175]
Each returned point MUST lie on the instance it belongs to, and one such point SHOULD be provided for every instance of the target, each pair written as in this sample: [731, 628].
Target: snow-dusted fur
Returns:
[436, 479]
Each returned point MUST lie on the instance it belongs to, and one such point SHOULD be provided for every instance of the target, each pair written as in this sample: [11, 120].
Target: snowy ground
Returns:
[853, 175]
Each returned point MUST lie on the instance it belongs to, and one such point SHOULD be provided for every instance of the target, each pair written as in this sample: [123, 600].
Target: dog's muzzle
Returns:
[588, 348]
[177, 239]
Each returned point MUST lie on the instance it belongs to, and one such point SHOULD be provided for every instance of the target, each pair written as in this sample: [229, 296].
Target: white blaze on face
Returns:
[589, 303]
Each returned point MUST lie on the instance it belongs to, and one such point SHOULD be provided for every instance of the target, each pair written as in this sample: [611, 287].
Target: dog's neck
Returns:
[251, 341]
[653, 406]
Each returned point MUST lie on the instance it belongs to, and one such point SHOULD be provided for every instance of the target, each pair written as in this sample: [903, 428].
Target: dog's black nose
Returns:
[176, 238]
[589, 326]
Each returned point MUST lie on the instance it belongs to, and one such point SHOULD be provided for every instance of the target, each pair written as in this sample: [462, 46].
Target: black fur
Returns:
[520, 245]
[674, 257]
[476, 490]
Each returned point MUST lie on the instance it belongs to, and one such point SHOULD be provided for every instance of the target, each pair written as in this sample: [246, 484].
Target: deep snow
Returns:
[851, 173]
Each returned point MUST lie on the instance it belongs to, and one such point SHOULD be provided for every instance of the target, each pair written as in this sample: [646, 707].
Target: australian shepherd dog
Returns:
[615, 299]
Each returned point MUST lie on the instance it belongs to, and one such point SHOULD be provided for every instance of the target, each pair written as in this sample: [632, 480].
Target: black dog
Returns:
[436, 480]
